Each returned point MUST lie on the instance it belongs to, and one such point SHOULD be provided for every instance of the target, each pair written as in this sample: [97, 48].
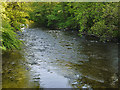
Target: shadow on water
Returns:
[61, 59]
[15, 74]
[95, 64]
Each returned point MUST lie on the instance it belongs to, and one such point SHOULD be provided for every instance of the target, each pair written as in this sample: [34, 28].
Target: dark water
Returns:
[61, 59]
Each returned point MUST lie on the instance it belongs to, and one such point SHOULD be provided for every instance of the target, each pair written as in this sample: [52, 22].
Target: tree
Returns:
[13, 16]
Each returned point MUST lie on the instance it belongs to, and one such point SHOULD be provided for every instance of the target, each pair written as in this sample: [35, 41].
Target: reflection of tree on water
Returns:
[15, 74]
[99, 69]
[0, 69]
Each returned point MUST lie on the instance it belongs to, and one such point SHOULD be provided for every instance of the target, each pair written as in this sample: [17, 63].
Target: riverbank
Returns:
[88, 36]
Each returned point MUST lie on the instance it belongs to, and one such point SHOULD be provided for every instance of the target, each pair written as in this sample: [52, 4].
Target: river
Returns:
[60, 59]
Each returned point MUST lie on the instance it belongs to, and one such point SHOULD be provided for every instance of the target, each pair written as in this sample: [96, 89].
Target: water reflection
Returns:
[15, 74]
[61, 59]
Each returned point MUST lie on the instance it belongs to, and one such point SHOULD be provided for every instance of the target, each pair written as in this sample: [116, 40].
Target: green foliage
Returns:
[15, 12]
[106, 23]
[13, 16]
[98, 19]
[10, 39]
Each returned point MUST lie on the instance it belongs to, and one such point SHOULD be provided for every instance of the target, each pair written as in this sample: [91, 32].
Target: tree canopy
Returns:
[92, 18]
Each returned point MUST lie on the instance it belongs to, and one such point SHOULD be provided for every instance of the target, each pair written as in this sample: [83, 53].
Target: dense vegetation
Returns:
[97, 19]
[13, 16]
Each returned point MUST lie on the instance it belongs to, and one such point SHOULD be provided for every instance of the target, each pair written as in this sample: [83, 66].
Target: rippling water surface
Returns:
[61, 59]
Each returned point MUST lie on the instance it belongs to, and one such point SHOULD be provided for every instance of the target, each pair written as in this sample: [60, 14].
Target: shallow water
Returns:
[61, 59]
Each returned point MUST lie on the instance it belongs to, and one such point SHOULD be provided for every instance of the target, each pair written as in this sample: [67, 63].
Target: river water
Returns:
[60, 59]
